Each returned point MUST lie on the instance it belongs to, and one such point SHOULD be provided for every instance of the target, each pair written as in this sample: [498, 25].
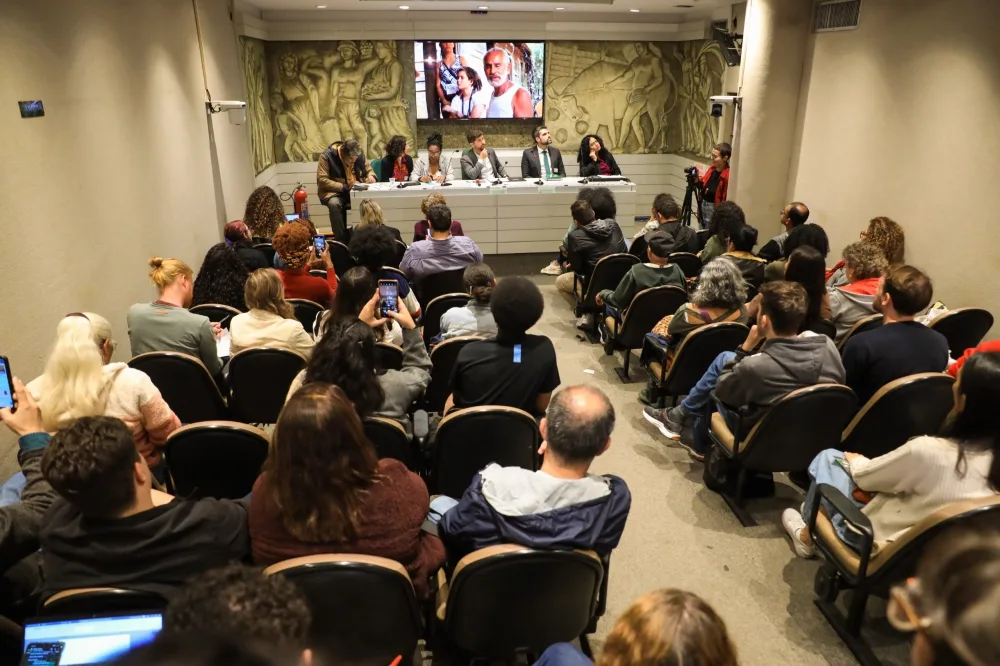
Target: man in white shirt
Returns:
[478, 161]
[542, 161]
[509, 100]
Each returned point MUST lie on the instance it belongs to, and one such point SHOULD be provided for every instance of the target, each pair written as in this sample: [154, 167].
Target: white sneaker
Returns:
[552, 269]
[584, 322]
[793, 524]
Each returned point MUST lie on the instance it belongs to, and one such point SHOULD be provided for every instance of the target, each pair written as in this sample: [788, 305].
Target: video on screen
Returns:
[465, 80]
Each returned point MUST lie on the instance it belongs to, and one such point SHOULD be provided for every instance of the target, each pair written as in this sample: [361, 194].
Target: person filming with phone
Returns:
[297, 246]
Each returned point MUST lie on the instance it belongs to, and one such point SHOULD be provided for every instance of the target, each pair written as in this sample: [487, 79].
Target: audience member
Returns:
[602, 202]
[793, 215]
[345, 357]
[374, 248]
[727, 218]
[314, 263]
[271, 320]
[804, 235]
[237, 235]
[294, 244]
[514, 369]
[474, 318]
[805, 265]
[591, 239]
[754, 381]
[665, 216]
[884, 234]
[371, 215]
[864, 264]
[988, 346]
[221, 278]
[238, 601]
[422, 229]
[927, 473]
[560, 506]
[166, 325]
[353, 294]
[665, 627]
[901, 346]
[80, 380]
[107, 529]
[740, 252]
[264, 214]
[324, 490]
[657, 271]
[442, 252]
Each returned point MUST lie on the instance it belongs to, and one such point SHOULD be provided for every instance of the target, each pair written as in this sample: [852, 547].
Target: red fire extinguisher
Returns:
[300, 200]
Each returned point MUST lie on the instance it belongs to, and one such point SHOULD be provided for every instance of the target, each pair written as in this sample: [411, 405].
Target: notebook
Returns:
[91, 640]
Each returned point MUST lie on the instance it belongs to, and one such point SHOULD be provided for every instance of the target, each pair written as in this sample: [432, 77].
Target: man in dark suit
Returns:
[543, 160]
[478, 161]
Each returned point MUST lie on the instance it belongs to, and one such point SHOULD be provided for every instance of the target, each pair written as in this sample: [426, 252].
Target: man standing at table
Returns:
[544, 160]
[478, 161]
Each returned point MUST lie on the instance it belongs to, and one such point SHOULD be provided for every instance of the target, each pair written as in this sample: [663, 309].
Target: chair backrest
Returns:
[377, 168]
[185, 384]
[259, 380]
[318, 273]
[443, 358]
[341, 257]
[638, 248]
[752, 291]
[101, 600]
[401, 250]
[363, 607]
[507, 598]
[689, 263]
[268, 251]
[822, 327]
[388, 356]
[436, 284]
[608, 272]
[703, 236]
[306, 311]
[469, 439]
[216, 312]
[648, 307]
[904, 408]
[390, 439]
[797, 427]
[431, 317]
[395, 270]
[697, 351]
[220, 459]
[869, 323]
[964, 328]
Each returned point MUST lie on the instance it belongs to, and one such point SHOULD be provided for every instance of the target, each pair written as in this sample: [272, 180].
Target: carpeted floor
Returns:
[680, 534]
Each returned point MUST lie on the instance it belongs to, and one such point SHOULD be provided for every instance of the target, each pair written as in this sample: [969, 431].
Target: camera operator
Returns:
[715, 182]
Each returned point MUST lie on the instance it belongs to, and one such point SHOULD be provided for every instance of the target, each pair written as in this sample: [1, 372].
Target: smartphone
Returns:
[291, 216]
[6, 384]
[388, 291]
[43, 654]
[320, 243]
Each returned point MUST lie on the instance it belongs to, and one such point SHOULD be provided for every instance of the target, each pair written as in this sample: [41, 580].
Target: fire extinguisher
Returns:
[300, 200]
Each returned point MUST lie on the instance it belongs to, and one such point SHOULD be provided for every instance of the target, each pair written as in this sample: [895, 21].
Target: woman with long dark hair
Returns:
[596, 160]
[397, 163]
[901, 488]
[221, 278]
[805, 265]
[324, 490]
[353, 294]
[727, 219]
[467, 103]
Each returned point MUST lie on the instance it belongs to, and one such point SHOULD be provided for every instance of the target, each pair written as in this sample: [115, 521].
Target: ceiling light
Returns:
[320, 6]
[484, 7]
[634, 11]
[404, 6]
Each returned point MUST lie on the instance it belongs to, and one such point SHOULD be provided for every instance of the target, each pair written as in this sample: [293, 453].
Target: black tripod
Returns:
[691, 195]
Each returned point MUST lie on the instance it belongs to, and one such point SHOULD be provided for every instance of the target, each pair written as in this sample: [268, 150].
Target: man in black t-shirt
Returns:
[515, 369]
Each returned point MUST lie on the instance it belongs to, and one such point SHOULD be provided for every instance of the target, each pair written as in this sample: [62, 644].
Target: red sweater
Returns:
[988, 346]
[299, 284]
[722, 191]
[391, 518]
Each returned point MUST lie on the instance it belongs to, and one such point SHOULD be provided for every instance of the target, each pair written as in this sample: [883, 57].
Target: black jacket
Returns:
[531, 166]
[586, 245]
[331, 176]
[387, 168]
[751, 267]
[20, 523]
[590, 167]
[251, 257]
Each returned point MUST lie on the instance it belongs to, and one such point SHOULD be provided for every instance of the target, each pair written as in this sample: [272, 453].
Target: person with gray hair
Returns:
[508, 100]
[582, 510]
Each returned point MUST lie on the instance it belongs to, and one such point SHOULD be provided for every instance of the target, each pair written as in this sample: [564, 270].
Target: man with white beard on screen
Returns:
[509, 100]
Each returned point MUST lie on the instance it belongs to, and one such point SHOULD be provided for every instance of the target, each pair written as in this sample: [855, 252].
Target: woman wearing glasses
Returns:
[901, 488]
[883, 233]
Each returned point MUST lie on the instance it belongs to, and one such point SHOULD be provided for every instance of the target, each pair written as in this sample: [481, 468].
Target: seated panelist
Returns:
[596, 160]
[543, 160]
[480, 162]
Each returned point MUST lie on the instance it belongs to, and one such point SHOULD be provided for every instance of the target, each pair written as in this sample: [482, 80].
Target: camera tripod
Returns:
[691, 196]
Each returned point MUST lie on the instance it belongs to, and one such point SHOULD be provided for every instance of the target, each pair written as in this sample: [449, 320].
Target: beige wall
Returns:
[900, 118]
[121, 166]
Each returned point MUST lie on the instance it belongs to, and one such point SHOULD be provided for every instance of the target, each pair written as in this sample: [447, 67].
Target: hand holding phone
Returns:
[6, 385]
[27, 418]
[319, 245]
[388, 296]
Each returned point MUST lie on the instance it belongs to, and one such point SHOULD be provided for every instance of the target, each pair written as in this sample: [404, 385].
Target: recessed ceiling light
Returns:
[484, 7]
[320, 6]
[404, 6]
[559, 9]
[634, 11]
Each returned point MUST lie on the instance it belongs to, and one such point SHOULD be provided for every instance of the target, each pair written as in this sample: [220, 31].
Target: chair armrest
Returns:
[654, 351]
[421, 428]
[852, 516]
[739, 413]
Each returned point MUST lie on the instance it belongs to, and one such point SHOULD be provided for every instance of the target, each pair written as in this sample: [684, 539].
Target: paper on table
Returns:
[222, 344]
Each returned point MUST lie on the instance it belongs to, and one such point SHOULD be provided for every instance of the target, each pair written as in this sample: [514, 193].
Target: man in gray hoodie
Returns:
[786, 362]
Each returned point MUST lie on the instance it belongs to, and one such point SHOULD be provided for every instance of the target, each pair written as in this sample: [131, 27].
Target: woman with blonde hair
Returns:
[885, 234]
[80, 380]
[271, 320]
[666, 627]
[422, 229]
[264, 214]
[371, 215]
[166, 324]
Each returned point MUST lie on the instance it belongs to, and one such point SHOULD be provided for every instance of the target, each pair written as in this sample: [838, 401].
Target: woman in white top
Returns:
[80, 380]
[432, 170]
[474, 318]
[922, 476]
[271, 320]
[468, 103]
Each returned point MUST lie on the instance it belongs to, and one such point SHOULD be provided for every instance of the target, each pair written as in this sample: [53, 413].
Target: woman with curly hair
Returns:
[221, 278]
[422, 229]
[396, 163]
[264, 214]
[294, 245]
[596, 160]
[885, 234]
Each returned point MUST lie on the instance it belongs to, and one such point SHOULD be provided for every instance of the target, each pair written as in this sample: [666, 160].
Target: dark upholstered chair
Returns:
[443, 358]
[388, 356]
[390, 440]
[821, 327]
[627, 331]
[690, 263]
[608, 272]
[101, 600]
[220, 459]
[437, 284]
[869, 323]
[306, 311]
[431, 317]
[341, 257]
[259, 380]
[964, 328]
[185, 383]
[217, 313]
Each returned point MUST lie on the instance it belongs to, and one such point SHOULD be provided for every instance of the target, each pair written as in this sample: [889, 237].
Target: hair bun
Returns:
[156, 262]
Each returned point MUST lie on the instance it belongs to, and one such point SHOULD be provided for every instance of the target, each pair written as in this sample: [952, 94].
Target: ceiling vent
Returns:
[834, 15]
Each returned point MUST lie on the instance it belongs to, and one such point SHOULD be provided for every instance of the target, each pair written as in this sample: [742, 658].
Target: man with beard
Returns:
[509, 100]
[543, 160]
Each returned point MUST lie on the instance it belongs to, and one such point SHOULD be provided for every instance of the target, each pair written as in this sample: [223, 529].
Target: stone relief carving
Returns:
[258, 120]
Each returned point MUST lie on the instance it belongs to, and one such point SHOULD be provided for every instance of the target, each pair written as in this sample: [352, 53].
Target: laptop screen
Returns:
[91, 640]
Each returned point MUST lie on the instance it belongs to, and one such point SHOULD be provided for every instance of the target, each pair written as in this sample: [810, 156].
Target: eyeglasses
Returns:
[904, 610]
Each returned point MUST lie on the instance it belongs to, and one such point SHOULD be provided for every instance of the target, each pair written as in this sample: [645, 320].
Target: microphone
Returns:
[447, 172]
[500, 178]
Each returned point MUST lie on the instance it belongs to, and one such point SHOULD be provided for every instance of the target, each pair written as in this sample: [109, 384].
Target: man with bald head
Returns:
[792, 215]
[560, 506]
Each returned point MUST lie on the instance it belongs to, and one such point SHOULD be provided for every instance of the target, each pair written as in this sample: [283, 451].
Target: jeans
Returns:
[825, 469]
[563, 654]
[707, 208]
[338, 219]
[701, 394]
[10, 491]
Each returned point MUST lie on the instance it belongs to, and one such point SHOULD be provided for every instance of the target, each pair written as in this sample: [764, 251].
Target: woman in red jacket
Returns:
[715, 182]
[294, 244]
[324, 490]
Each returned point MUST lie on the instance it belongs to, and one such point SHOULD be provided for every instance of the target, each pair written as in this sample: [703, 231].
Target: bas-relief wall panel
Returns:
[326, 91]
[258, 118]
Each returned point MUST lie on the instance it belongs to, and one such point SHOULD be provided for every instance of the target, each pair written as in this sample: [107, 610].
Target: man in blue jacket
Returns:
[561, 506]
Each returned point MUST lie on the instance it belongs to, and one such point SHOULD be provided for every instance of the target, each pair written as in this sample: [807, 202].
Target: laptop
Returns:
[90, 640]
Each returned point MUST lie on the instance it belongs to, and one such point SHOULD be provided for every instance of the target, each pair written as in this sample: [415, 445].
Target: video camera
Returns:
[692, 174]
